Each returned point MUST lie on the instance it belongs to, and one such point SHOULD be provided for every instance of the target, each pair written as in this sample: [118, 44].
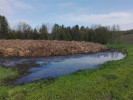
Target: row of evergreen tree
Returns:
[97, 33]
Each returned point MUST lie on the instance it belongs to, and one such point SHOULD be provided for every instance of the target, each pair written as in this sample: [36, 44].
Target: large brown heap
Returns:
[10, 48]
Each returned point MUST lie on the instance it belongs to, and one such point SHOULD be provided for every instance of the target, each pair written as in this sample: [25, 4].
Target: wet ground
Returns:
[53, 67]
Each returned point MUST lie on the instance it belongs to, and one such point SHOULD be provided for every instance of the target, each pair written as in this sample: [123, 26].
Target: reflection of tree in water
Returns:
[107, 54]
[114, 54]
[12, 62]
[104, 55]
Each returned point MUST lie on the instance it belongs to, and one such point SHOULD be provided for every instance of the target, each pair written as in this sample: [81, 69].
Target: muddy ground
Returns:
[42, 48]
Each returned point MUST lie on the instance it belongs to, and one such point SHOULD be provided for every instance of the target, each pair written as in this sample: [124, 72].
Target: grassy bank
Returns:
[114, 81]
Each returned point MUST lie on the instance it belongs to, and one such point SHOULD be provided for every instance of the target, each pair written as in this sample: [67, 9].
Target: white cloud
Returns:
[80, 10]
[5, 7]
[9, 6]
[13, 23]
[19, 4]
[121, 18]
[74, 7]
[67, 4]
[127, 26]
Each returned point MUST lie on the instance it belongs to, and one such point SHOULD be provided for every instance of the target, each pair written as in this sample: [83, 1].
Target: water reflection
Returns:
[53, 67]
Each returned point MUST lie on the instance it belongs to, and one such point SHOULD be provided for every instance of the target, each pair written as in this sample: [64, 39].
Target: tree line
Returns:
[96, 33]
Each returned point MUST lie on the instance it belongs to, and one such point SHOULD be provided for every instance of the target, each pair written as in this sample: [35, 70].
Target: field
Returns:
[114, 81]
[127, 39]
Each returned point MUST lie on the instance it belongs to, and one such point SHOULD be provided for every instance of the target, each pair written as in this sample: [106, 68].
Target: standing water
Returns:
[53, 67]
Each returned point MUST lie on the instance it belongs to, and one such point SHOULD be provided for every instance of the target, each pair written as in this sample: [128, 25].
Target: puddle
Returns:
[53, 67]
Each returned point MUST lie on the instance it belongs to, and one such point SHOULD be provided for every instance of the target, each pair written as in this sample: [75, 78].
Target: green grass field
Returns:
[113, 82]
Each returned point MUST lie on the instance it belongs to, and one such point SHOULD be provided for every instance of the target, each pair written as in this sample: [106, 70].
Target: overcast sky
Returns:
[69, 12]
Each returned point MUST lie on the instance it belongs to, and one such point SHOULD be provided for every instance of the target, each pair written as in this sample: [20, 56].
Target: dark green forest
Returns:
[95, 33]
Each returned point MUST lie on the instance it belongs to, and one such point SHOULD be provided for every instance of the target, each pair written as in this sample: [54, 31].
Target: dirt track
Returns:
[24, 48]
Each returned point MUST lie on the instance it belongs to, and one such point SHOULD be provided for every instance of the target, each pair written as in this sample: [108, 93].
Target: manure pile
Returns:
[41, 48]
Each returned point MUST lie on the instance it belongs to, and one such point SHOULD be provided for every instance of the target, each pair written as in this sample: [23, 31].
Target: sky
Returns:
[69, 12]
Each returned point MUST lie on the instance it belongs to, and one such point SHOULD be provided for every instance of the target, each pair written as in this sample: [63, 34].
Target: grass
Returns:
[5, 76]
[126, 39]
[113, 82]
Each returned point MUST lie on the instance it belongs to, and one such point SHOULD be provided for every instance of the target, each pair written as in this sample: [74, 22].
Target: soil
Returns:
[42, 48]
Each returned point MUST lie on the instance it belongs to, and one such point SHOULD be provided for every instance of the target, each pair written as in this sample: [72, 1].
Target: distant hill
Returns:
[126, 39]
